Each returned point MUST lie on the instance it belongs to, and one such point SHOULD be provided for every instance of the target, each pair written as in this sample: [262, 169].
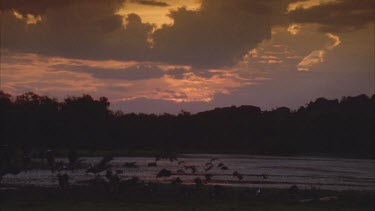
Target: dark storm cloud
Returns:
[219, 34]
[136, 72]
[151, 3]
[38, 7]
[177, 73]
[338, 16]
[35, 7]
[90, 31]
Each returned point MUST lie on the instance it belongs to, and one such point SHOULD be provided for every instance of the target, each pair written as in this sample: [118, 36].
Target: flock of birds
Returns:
[192, 169]
[103, 166]
[9, 166]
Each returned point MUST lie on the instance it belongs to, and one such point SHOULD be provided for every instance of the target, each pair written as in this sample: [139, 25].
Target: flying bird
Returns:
[198, 182]
[50, 159]
[176, 181]
[238, 175]
[63, 180]
[181, 162]
[101, 166]
[213, 159]
[209, 168]
[224, 168]
[208, 177]
[220, 165]
[164, 173]
[180, 171]
[258, 192]
[130, 165]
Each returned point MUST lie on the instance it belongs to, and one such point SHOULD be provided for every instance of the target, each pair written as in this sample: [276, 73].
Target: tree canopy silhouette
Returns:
[337, 127]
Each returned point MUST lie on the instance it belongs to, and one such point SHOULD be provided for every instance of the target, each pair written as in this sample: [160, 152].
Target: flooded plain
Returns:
[256, 171]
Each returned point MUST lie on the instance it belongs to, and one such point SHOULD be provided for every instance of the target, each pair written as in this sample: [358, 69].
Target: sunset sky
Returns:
[167, 55]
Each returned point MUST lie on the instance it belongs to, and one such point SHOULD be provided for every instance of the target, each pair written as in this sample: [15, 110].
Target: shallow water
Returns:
[280, 172]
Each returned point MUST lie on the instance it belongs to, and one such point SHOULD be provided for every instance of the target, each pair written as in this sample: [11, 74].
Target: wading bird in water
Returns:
[101, 166]
[238, 175]
[164, 173]
[130, 165]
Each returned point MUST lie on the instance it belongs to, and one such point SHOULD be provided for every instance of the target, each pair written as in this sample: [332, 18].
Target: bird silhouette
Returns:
[208, 177]
[108, 174]
[209, 167]
[106, 159]
[173, 158]
[293, 190]
[111, 177]
[9, 170]
[7, 164]
[176, 181]
[181, 162]
[101, 166]
[26, 159]
[213, 159]
[166, 155]
[130, 165]
[180, 171]
[198, 182]
[164, 173]
[60, 166]
[42, 155]
[72, 157]
[63, 180]
[224, 168]
[238, 175]
[73, 160]
[134, 180]
[113, 180]
[258, 192]
[50, 159]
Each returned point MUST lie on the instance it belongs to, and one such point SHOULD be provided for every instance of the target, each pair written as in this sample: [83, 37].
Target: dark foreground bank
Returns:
[150, 196]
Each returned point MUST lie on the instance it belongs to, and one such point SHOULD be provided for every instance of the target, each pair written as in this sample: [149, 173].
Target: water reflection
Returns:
[256, 171]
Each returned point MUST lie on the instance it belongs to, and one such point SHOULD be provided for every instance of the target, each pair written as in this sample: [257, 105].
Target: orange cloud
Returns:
[157, 15]
[317, 56]
[48, 75]
[307, 4]
[28, 18]
[294, 29]
[335, 39]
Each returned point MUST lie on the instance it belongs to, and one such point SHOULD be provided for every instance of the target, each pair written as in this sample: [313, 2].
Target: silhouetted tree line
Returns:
[337, 127]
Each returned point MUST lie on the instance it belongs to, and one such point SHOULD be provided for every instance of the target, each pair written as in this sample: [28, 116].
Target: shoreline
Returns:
[152, 153]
